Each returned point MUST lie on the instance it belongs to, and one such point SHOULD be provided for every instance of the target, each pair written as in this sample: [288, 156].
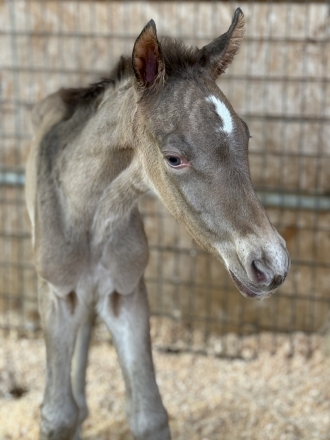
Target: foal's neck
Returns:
[113, 123]
[114, 129]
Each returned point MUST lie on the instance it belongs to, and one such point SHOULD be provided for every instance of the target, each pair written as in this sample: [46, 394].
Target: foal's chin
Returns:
[249, 291]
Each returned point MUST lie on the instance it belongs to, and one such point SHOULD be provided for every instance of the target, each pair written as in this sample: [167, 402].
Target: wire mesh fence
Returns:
[279, 84]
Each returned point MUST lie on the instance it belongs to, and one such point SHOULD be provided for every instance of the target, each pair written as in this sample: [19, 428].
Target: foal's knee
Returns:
[59, 424]
[153, 426]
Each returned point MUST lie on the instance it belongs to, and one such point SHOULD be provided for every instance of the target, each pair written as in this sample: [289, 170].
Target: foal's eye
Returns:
[174, 161]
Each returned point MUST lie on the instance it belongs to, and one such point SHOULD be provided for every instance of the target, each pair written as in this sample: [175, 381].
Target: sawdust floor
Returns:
[271, 397]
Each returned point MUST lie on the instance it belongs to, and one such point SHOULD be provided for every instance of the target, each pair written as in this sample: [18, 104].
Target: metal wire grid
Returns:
[194, 301]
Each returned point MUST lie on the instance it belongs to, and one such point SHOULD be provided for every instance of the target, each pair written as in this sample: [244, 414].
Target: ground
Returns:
[273, 397]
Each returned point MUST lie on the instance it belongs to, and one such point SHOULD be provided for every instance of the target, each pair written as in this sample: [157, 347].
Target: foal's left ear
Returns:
[147, 59]
[217, 55]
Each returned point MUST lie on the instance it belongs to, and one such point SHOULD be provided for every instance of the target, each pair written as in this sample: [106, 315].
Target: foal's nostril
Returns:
[260, 272]
[277, 281]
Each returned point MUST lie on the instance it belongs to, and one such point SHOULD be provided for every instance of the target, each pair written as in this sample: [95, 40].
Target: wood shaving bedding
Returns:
[273, 397]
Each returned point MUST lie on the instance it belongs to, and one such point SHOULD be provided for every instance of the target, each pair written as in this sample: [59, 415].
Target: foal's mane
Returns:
[86, 95]
[177, 59]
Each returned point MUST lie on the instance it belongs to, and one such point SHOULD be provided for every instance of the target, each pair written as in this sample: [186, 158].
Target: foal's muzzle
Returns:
[262, 276]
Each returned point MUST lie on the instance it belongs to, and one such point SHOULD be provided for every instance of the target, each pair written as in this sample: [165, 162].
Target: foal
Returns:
[158, 122]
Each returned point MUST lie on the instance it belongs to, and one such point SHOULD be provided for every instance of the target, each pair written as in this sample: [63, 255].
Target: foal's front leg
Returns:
[127, 317]
[60, 318]
[79, 366]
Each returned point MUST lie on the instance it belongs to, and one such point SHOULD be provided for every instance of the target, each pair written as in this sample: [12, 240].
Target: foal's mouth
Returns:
[247, 291]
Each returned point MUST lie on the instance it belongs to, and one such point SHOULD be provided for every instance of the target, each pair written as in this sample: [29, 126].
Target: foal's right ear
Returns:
[147, 59]
[217, 55]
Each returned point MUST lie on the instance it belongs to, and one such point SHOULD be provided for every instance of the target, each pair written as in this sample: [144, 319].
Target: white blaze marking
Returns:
[223, 112]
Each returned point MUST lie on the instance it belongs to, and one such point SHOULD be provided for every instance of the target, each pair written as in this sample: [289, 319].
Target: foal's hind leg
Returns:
[60, 318]
[127, 317]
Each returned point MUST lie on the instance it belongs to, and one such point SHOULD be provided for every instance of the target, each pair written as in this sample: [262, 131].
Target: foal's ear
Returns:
[218, 54]
[148, 64]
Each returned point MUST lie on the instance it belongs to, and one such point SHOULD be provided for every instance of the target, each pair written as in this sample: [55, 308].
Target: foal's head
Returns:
[194, 152]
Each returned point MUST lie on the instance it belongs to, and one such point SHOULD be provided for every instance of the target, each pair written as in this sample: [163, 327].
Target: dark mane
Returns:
[177, 57]
[86, 95]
